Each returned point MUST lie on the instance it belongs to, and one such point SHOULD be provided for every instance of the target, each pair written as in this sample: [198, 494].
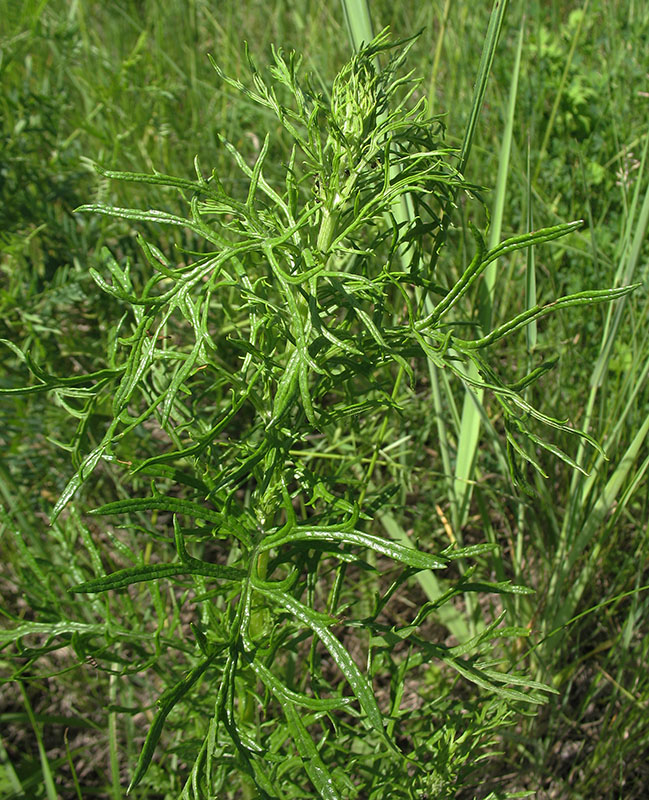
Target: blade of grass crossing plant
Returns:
[432, 84]
[113, 747]
[616, 510]
[467, 446]
[470, 425]
[495, 226]
[359, 25]
[166, 702]
[359, 21]
[614, 437]
[626, 271]
[530, 270]
[469, 433]
[442, 432]
[459, 489]
[496, 21]
[71, 767]
[615, 314]
[530, 335]
[11, 778]
[315, 768]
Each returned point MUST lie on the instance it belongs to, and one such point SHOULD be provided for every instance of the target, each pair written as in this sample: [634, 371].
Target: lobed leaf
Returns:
[286, 695]
[589, 297]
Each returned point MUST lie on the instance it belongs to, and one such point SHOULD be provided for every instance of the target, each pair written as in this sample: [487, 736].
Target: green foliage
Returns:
[304, 325]
[257, 390]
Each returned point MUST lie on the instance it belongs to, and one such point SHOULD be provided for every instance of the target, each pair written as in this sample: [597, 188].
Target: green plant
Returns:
[311, 316]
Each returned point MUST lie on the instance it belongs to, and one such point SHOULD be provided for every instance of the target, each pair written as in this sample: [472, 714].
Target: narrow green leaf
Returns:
[496, 21]
[136, 214]
[564, 602]
[166, 702]
[174, 505]
[482, 680]
[284, 694]
[173, 474]
[83, 473]
[51, 382]
[49, 629]
[208, 438]
[153, 572]
[315, 768]
[359, 684]
[156, 179]
[589, 297]
[470, 551]
[48, 777]
[404, 555]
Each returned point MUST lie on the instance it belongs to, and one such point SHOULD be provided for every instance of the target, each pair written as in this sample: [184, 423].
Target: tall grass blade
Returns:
[469, 433]
[359, 21]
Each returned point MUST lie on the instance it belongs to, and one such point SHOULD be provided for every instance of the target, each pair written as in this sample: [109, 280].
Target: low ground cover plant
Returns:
[276, 360]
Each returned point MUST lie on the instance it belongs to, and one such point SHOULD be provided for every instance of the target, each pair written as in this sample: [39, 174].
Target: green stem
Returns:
[327, 230]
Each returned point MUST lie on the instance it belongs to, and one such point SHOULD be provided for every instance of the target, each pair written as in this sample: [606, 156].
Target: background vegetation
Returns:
[128, 84]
